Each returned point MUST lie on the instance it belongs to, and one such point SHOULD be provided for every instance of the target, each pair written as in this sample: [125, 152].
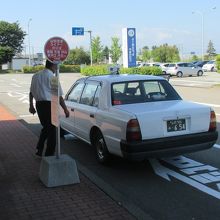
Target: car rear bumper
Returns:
[168, 146]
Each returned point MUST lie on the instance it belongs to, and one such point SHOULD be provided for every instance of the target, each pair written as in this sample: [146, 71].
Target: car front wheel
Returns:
[102, 153]
[200, 73]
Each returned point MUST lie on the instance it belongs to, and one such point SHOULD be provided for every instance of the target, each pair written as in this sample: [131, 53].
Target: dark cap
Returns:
[49, 64]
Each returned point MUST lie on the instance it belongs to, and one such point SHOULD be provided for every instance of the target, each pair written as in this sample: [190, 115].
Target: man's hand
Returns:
[67, 113]
[32, 110]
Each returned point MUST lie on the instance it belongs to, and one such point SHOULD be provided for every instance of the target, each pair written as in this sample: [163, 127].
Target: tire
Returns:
[199, 73]
[212, 69]
[102, 153]
[179, 74]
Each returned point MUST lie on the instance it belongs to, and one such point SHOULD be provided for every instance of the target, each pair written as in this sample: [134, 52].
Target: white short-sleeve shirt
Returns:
[41, 85]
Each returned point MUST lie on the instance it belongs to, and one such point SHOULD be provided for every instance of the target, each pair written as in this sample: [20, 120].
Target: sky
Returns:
[156, 22]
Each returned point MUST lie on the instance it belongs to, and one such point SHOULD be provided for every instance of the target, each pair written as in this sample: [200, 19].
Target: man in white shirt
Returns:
[41, 91]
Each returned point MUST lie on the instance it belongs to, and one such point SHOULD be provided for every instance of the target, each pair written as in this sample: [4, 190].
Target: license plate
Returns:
[176, 125]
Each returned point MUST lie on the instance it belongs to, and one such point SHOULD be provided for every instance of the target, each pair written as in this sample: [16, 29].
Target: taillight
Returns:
[212, 125]
[133, 131]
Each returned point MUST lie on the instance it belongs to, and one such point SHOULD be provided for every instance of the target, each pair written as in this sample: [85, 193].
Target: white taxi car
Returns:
[136, 117]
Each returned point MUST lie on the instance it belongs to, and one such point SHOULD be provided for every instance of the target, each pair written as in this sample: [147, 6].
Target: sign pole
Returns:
[58, 112]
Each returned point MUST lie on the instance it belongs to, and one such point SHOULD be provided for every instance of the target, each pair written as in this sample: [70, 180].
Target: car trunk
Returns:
[169, 118]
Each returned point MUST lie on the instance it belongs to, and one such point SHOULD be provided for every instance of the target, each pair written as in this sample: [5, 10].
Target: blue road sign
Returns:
[77, 31]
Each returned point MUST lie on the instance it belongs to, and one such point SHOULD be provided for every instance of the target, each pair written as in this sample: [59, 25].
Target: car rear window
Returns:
[142, 91]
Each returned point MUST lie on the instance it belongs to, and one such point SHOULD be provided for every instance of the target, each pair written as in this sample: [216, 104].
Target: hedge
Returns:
[32, 69]
[63, 68]
[147, 70]
[69, 68]
[104, 69]
[218, 63]
[94, 70]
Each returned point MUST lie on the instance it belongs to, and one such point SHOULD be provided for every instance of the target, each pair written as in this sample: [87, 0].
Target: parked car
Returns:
[184, 69]
[136, 117]
[210, 66]
[148, 64]
[164, 67]
[201, 63]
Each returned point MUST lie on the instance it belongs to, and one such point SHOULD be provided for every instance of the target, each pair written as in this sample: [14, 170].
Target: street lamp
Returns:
[202, 16]
[90, 39]
[29, 44]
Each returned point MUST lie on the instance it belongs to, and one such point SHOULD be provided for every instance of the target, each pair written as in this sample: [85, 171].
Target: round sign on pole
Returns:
[56, 49]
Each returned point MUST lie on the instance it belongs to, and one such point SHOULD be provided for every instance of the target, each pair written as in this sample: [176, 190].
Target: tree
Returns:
[195, 58]
[105, 54]
[78, 56]
[6, 53]
[165, 53]
[11, 40]
[210, 50]
[115, 51]
[97, 49]
[146, 54]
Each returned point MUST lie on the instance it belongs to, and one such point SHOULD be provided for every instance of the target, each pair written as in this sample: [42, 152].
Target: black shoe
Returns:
[48, 155]
[38, 154]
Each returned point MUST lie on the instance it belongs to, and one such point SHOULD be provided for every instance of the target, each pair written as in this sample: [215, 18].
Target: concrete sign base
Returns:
[58, 172]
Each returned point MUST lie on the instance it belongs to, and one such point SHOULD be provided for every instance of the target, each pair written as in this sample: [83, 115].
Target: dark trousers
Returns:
[48, 132]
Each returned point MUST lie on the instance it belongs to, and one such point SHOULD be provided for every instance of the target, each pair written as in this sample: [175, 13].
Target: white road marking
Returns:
[193, 81]
[21, 96]
[16, 85]
[217, 146]
[25, 116]
[166, 173]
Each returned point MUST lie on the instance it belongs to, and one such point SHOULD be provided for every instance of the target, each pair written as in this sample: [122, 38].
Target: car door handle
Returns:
[91, 115]
[72, 109]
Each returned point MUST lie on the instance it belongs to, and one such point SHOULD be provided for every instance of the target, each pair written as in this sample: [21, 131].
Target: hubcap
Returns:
[100, 148]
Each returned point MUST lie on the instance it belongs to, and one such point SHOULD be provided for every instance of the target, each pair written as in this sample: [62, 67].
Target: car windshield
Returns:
[211, 62]
[142, 91]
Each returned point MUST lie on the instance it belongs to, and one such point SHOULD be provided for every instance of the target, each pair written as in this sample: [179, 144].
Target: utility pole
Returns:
[29, 44]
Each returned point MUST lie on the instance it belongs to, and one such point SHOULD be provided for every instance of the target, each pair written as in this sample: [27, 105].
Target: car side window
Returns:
[96, 98]
[88, 94]
[75, 93]
[190, 65]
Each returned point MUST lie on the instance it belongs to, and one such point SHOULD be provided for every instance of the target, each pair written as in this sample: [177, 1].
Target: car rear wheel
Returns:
[212, 69]
[179, 74]
[199, 73]
[102, 153]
